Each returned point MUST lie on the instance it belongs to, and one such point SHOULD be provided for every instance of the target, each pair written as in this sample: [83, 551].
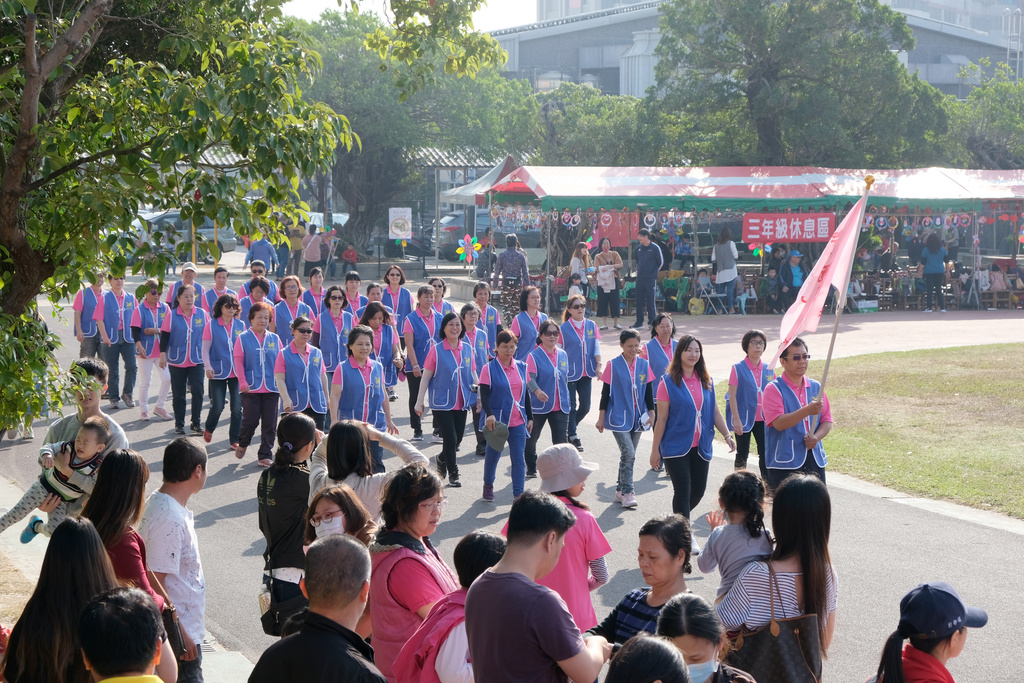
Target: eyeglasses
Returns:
[437, 505]
[577, 307]
[756, 342]
[797, 357]
[304, 330]
[337, 298]
[259, 272]
[326, 517]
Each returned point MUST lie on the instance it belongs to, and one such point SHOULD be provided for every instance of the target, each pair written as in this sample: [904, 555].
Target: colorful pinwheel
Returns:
[467, 249]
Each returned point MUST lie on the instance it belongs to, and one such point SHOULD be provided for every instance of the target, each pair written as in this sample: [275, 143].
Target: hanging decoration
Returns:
[401, 243]
[467, 249]
[650, 219]
[757, 248]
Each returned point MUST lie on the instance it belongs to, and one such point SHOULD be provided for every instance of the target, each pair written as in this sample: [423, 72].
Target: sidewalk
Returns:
[219, 665]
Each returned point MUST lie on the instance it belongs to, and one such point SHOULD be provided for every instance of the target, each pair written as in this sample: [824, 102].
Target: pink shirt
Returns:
[757, 371]
[579, 327]
[774, 407]
[515, 323]
[137, 322]
[695, 388]
[515, 381]
[78, 304]
[584, 543]
[205, 306]
[428, 320]
[166, 327]
[97, 314]
[377, 337]
[337, 320]
[431, 364]
[666, 349]
[606, 374]
[338, 381]
[303, 354]
[318, 297]
[531, 367]
[239, 354]
[208, 341]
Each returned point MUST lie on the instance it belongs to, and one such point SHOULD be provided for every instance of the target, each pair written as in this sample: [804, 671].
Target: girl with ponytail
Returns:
[738, 534]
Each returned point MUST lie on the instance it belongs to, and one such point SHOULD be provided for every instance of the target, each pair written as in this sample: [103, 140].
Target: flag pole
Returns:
[840, 305]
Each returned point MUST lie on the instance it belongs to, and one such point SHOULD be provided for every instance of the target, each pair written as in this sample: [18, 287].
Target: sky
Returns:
[495, 15]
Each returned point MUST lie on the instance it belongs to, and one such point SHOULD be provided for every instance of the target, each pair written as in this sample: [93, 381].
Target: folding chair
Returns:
[713, 301]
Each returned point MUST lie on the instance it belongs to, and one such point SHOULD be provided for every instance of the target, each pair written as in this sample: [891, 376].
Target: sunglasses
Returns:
[337, 298]
[550, 333]
[797, 357]
[154, 291]
[230, 305]
[577, 307]
[304, 330]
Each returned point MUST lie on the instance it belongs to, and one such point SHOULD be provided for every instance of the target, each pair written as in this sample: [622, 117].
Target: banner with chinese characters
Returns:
[765, 228]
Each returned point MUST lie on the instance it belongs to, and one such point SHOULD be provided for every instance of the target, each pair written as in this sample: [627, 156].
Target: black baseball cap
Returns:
[935, 610]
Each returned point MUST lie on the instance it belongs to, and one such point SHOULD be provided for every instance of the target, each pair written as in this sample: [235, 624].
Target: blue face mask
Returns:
[702, 671]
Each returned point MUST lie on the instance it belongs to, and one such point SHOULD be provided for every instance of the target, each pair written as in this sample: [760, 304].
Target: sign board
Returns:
[620, 227]
[763, 228]
[400, 224]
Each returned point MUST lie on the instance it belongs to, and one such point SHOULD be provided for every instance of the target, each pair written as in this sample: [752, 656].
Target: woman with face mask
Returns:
[338, 510]
[692, 625]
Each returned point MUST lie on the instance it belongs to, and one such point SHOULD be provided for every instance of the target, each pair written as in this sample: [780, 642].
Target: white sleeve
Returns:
[164, 541]
[453, 665]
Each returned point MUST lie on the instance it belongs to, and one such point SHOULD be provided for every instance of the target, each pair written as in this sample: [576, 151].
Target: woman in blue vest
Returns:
[290, 307]
[386, 348]
[314, 294]
[581, 341]
[147, 320]
[181, 348]
[685, 430]
[479, 341]
[114, 317]
[744, 407]
[357, 390]
[331, 329]
[440, 289]
[450, 374]
[547, 366]
[797, 416]
[658, 351]
[504, 398]
[490, 317]
[259, 290]
[627, 401]
[301, 378]
[356, 301]
[420, 329]
[396, 296]
[526, 325]
[255, 355]
[219, 339]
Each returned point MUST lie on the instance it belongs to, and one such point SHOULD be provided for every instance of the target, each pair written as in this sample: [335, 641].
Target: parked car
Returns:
[453, 229]
[169, 231]
[421, 244]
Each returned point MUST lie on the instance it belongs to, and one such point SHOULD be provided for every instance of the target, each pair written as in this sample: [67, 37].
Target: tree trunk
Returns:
[771, 150]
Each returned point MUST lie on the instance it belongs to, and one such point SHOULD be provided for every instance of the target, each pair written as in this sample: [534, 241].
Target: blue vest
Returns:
[358, 401]
[422, 339]
[196, 287]
[391, 312]
[302, 379]
[332, 340]
[446, 308]
[488, 322]
[270, 298]
[386, 355]
[402, 308]
[186, 342]
[147, 319]
[245, 306]
[681, 421]
[111, 314]
[222, 346]
[748, 393]
[258, 362]
[479, 346]
[582, 353]
[786, 450]
[657, 359]
[527, 334]
[210, 297]
[310, 300]
[551, 380]
[448, 379]
[283, 317]
[356, 306]
[626, 399]
[89, 301]
[500, 401]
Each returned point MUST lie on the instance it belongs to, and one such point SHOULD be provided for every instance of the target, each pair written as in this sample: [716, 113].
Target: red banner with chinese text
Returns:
[761, 228]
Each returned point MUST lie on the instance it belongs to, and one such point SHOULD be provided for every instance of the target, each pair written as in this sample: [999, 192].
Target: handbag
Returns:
[280, 611]
[175, 633]
[784, 650]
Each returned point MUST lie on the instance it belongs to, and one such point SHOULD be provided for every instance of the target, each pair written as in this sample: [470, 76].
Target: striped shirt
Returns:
[631, 616]
[748, 603]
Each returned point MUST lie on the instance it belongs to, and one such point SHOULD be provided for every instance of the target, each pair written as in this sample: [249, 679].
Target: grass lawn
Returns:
[942, 423]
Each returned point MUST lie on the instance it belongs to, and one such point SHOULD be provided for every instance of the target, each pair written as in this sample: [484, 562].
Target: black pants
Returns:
[933, 282]
[559, 423]
[743, 448]
[192, 379]
[414, 393]
[260, 409]
[689, 475]
[452, 425]
[645, 301]
[319, 418]
[221, 389]
[810, 466]
[481, 443]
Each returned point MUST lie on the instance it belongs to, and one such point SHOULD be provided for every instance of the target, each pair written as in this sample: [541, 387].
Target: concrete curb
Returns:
[219, 665]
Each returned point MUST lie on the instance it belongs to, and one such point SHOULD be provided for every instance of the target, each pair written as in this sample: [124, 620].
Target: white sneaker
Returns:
[628, 501]
[29, 434]
[943, 311]
[694, 546]
[927, 310]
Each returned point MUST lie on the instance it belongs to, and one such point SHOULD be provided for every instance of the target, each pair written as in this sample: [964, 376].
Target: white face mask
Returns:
[702, 671]
[334, 527]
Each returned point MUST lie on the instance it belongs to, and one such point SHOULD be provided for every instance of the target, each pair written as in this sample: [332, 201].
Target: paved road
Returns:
[882, 543]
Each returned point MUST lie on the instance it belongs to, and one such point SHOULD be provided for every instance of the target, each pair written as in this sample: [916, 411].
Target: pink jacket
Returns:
[416, 660]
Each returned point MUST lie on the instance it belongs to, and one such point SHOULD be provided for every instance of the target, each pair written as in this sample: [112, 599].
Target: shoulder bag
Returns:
[175, 633]
[784, 650]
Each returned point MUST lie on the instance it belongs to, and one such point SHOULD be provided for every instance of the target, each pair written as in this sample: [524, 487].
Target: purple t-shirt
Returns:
[518, 630]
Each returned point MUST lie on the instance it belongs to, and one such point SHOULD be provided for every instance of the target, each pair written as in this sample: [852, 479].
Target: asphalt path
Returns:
[881, 545]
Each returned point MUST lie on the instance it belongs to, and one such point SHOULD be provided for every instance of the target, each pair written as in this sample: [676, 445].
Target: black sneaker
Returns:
[417, 436]
[531, 475]
[453, 482]
[197, 430]
[481, 450]
[179, 430]
[576, 442]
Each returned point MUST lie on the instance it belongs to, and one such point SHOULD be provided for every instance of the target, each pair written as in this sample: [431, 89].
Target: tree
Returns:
[808, 81]
[987, 130]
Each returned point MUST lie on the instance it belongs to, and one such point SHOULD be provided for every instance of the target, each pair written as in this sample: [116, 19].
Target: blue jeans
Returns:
[580, 388]
[220, 389]
[517, 437]
[126, 350]
[377, 457]
[282, 260]
[729, 289]
[627, 442]
[191, 672]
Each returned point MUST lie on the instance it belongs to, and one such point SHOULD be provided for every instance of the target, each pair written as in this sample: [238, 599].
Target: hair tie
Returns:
[287, 445]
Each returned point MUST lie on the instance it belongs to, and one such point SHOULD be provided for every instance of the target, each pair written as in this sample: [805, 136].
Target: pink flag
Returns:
[833, 268]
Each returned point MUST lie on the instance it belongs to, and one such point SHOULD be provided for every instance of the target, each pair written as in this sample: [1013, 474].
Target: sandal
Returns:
[265, 462]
